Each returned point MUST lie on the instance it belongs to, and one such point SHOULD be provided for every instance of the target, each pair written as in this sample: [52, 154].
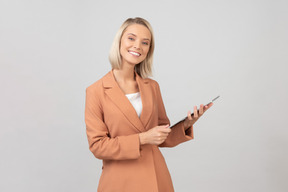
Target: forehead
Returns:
[139, 30]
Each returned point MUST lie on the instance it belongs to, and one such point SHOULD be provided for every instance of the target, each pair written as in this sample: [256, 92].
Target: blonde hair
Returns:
[143, 69]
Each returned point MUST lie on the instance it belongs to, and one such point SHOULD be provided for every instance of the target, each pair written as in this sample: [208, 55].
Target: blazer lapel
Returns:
[147, 99]
[117, 96]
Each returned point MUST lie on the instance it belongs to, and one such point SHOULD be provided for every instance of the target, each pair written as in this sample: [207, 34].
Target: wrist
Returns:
[186, 124]
[142, 138]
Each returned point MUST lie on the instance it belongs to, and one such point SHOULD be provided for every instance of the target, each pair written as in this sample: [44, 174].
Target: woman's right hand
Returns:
[155, 136]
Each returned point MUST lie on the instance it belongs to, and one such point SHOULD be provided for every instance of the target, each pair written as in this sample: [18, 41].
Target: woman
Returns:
[126, 119]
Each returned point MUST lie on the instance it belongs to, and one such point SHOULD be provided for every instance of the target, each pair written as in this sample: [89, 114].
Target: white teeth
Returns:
[137, 54]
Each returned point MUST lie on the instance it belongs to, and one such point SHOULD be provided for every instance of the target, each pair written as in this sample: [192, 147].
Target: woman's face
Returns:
[135, 44]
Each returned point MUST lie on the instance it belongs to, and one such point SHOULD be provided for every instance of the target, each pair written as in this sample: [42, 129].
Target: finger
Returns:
[164, 136]
[208, 106]
[162, 126]
[189, 115]
[201, 110]
[160, 140]
[164, 130]
[195, 112]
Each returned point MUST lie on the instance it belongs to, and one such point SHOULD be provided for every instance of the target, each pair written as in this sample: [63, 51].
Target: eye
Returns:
[145, 43]
[131, 38]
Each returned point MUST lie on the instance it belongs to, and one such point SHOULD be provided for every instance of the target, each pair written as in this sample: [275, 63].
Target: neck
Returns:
[126, 73]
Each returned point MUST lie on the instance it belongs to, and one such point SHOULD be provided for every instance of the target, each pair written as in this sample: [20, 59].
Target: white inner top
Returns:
[135, 100]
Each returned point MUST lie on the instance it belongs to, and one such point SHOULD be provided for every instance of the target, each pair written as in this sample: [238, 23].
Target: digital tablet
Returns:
[212, 101]
[208, 103]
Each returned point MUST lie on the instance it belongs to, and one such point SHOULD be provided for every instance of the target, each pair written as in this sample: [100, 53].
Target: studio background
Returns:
[50, 51]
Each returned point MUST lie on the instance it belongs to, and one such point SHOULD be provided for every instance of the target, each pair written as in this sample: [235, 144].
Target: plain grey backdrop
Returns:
[50, 51]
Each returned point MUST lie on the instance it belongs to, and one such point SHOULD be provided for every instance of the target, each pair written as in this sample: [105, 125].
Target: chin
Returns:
[135, 62]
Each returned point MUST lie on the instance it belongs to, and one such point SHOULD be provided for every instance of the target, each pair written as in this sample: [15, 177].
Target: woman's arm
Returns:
[178, 133]
[100, 142]
[183, 130]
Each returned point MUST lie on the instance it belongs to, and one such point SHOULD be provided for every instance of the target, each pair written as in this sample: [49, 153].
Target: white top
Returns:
[135, 100]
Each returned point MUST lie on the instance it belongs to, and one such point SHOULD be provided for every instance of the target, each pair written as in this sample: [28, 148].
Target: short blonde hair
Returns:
[143, 69]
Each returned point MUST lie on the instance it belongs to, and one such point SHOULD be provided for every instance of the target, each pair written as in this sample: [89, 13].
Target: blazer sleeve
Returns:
[100, 143]
[178, 133]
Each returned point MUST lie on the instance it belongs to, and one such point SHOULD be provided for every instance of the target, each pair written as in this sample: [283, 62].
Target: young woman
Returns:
[126, 120]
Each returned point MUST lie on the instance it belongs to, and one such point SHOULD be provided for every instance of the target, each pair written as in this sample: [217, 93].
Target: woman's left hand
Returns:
[190, 120]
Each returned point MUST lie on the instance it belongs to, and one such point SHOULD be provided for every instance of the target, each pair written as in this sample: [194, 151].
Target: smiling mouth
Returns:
[134, 53]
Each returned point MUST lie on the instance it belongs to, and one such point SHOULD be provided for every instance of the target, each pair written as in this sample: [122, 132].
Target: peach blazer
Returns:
[112, 127]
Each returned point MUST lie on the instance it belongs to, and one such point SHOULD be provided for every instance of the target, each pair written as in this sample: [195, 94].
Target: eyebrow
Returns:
[136, 36]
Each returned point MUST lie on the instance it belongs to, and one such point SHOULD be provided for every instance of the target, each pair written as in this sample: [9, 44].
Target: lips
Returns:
[134, 53]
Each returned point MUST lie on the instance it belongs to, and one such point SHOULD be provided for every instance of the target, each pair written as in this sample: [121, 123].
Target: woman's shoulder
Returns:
[99, 83]
[152, 82]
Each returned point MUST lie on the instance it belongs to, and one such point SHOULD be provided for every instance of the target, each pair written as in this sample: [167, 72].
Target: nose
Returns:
[137, 45]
